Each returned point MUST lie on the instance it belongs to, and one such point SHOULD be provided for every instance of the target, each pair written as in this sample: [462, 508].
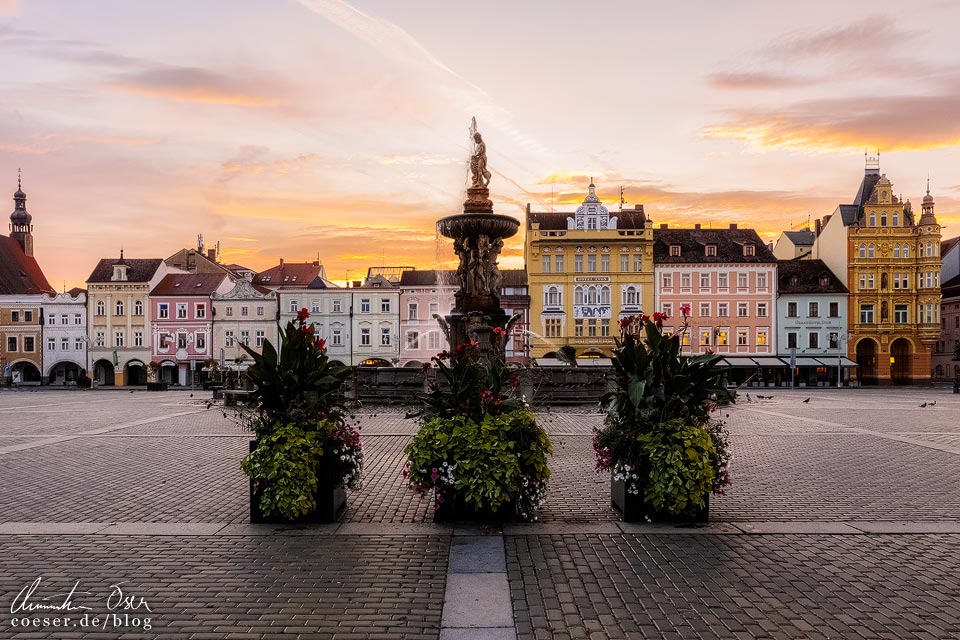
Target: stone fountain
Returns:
[478, 235]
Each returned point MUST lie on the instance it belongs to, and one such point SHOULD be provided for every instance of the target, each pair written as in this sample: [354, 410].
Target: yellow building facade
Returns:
[891, 262]
[586, 270]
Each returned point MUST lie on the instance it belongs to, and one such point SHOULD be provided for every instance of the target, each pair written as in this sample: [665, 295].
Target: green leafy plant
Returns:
[657, 387]
[284, 470]
[478, 443]
[679, 460]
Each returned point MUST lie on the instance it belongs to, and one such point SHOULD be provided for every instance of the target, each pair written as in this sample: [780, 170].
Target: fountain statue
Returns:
[478, 235]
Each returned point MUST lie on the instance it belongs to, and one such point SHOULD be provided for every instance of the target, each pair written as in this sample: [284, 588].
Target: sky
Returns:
[334, 129]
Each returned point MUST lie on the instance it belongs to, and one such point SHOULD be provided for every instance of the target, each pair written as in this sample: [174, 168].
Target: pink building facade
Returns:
[182, 324]
[727, 278]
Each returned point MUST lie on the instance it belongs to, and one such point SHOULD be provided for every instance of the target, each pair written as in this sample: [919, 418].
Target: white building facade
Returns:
[424, 294]
[64, 336]
[245, 314]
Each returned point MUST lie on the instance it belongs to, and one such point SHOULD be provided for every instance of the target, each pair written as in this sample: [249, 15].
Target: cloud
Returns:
[253, 161]
[9, 7]
[860, 38]
[892, 123]
[418, 159]
[191, 84]
[758, 80]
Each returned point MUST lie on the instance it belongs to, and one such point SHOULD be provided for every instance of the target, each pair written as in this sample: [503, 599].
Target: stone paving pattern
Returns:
[852, 456]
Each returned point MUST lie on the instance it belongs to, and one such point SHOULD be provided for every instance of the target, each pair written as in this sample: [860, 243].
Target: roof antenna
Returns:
[621, 198]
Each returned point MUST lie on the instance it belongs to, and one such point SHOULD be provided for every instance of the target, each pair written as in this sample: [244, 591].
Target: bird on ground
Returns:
[923, 405]
[131, 390]
[807, 400]
[191, 395]
[933, 404]
[749, 399]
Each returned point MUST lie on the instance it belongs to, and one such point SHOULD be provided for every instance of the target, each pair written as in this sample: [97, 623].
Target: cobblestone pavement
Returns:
[868, 456]
[236, 587]
[784, 586]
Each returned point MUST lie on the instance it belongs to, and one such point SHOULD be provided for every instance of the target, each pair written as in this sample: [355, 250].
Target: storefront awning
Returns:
[827, 361]
[738, 362]
[807, 362]
[769, 361]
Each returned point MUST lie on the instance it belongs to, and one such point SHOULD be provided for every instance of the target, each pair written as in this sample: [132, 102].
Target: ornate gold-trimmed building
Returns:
[586, 270]
[890, 262]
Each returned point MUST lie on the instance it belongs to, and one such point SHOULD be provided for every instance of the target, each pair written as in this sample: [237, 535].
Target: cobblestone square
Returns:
[843, 522]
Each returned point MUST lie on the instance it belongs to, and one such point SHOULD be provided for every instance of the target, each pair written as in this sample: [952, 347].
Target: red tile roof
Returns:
[188, 284]
[289, 275]
[138, 269]
[20, 273]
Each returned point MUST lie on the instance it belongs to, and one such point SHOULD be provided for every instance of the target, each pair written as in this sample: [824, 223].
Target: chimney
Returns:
[316, 263]
[733, 225]
[817, 227]
[664, 226]
[281, 263]
[357, 284]
[528, 208]
[638, 207]
[212, 254]
[697, 226]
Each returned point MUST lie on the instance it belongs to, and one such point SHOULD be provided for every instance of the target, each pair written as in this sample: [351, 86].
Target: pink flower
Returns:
[685, 310]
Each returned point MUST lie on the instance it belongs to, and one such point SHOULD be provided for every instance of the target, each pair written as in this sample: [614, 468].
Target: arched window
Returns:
[101, 308]
[871, 253]
[883, 219]
[591, 295]
[604, 295]
[919, 249]
[873, 219]
[906, 251]
[896, 219]
[552, 297]
[896, 251]
[630, 296]
[863, 250]
[578, 295]
[138, 308]
[929, 249]
[119, 308]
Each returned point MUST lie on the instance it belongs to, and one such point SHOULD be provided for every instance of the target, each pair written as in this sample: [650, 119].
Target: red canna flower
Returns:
[321, 344]
[303, 314]
[498, 331]
[685, 309]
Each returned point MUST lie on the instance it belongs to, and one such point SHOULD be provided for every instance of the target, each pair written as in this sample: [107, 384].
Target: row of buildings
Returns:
[856, 298]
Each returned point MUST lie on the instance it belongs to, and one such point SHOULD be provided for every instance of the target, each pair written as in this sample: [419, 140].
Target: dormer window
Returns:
[749, 250]
[710, 250]
[675, 251]
[824, 280]
[794, 281]
[120, 273]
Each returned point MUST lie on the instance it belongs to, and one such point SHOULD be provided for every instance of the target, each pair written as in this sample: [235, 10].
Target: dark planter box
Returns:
[331, 498]
[455, 510]
[632, 508]
[156, 386]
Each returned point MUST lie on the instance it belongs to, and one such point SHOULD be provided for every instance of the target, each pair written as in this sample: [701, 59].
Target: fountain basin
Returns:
[472, 225]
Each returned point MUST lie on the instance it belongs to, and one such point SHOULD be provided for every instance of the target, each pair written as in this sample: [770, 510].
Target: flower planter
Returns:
[156, 386]
[330, 496]
[455, 510]
[632, 508]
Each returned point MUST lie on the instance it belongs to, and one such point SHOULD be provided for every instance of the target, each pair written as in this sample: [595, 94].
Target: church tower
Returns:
[21, 222]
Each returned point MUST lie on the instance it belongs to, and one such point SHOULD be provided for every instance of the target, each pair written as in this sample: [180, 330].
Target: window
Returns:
[336, 306]
[552, 327]
[704, 309]
[118, 308]
[631, 297]
[259, 311]
[605, 329]
[624, 262]
[704, 281]
[667, 280]
[229, 311]
[929, 249]
[883, 218]
[28, 316]
[78, 344]
[545, 264]
[244, 311]
[834, 309]
[906, 251]
[578, 327]
[723, 338]
[862, 251]
[314, 306]
[591, 264]
[906, 281]
[245, 336]
[228, 338]
[896, 219]
[813, 340]
[674, 250]
[761, 281]
[742, 282]
[51, 319]
[604, 264]
[685, 281]
[749, 250]
[28, 344]
[559, 263]
[100, 339]
[722, 281]
[792, 340]
[101, 309]
[813, 310]
[384, 305]
[384, 336]
[791, 309]
[723, 309]
[163, 310]
[761, 309]
[866, 314]
[181, 310]
[260, 336]
[433, 340]
[365, 337]
[413, 340]
[871, 251]
[200, 342]
[138, 338]
[182, 341]
[710, 250]
[896, 251]
[834, 340]
[742, 338]
[685, 339]
[336, 337]
[78, 318]
[552, 297]
[873, 219]
[412, 311]
[365, 306]
[742, 309]
[705, 337]
[591, 328]
[51, 344]
[201, 310]
[761, 337]
[637, 263]
[118, 338]
[668, 309]
[900, 314]
[578, 264]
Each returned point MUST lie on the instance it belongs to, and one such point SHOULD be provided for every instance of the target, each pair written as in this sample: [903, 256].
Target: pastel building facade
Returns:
[182, 327]
[424, 294]
[728, 279]
[244, 314]
[64, 336]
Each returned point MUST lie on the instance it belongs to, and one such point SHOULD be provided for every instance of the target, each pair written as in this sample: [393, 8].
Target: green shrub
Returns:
[679, 459]
[283, 468]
